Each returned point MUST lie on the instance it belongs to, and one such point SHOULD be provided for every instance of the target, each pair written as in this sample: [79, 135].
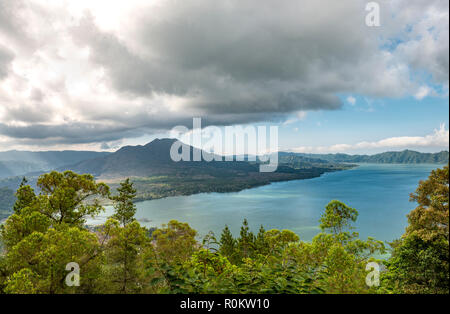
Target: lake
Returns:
[380, 192]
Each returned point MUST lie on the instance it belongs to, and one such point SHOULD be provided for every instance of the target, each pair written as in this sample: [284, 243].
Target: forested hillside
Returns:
[403, 157]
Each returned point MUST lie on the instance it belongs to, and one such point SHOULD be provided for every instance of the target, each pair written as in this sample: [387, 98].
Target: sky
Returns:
[98, 75]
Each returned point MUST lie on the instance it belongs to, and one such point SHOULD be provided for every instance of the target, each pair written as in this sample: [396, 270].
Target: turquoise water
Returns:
[380, 192]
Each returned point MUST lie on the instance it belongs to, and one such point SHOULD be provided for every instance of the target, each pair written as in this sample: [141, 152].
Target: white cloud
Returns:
[77, 72]
[351, 100]
[438, 139]
[299, 116]
[422, 92]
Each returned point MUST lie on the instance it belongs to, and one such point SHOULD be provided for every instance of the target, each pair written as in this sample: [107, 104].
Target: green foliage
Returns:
[418, 266]
[420, 259]
[22, 282]
[69, 197]
[227, 244]
[7, 200]
[46, 232]
[430, 219]
[246, 241]
[338, 217]
[123, 202]
[402, 157]
[124, 256]
[25, 196]
[175, 242]
[46, 255]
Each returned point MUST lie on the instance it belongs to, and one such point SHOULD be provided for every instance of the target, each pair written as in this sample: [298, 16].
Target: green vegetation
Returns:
[7, 200]
[420, 259]
[47, 231]
[403, 157]
[185, 184]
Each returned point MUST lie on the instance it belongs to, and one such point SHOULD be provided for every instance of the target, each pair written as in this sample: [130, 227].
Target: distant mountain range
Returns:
[13, 162]
[154, 159]
[402, 157]
[155, 174]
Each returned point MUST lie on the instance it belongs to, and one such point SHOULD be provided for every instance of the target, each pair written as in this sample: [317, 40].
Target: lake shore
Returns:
[380, 192]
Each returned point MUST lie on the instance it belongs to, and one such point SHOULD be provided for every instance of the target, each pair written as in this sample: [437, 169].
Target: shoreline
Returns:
[138, 199]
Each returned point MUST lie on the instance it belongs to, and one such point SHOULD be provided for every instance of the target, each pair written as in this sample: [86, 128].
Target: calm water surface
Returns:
[380, 192]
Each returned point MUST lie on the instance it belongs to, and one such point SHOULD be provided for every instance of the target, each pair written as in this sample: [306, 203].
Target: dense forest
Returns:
[47, 232]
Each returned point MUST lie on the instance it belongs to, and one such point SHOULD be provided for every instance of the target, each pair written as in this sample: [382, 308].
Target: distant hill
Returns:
[402, 157]
[154, 159]
[300, 161]
[14, 163]
[7, 200]
[156, 175]
[141, 160]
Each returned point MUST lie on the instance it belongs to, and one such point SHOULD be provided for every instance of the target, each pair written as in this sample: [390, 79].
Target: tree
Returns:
[124, 256]
[20, 225]
[22, 282]
[278, 240]
[227, 244]
[123, 203]
[420, 259]
[337, 258]
[46, 232]
[175, 242]
[24, 196]
[126, 243]
[38, 262]
[246, 241]
[418, 266]
[69, 197]
[261, 245]
[337, 218]
[429, 220]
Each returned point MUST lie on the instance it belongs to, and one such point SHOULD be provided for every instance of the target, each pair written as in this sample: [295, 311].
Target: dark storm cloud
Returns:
[221, 87]
[69, 133]
[230, 62]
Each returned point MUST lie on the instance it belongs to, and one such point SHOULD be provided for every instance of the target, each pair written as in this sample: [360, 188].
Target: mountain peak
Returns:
[161, 141]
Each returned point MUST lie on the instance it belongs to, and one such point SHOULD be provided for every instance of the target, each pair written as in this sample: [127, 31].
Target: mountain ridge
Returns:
[406, 156]
[16, 162]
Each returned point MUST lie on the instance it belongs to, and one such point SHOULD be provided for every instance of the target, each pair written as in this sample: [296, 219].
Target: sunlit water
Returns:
[380, 192]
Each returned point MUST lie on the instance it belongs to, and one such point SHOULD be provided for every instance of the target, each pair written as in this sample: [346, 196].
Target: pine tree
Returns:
[24, 196]
[126, 243]
[260, 242]
[227, 243]
[125, 209]
[246, 241]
